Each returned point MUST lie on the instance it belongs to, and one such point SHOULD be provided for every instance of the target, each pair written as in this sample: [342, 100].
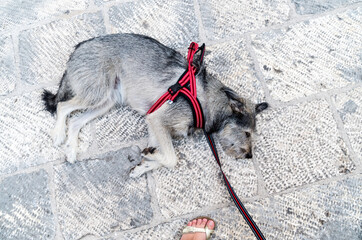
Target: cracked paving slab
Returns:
[15, 13]
[171, 22]
[349, 107]
[96, 196]
[231, 63]
[311, 56]
[327, 211]
[299, 145]
[196, 181]
[7, 66]
[45, 50]
[25, 134]
[25, 209]
[222, 18]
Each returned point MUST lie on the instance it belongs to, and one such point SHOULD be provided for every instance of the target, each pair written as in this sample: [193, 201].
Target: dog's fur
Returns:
[136, 70]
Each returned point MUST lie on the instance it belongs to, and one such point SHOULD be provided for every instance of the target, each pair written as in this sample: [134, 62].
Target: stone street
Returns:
[305, 178]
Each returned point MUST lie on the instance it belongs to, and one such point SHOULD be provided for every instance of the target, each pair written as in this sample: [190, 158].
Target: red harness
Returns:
[186, 85]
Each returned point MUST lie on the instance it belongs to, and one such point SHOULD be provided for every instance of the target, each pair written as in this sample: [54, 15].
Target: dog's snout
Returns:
[248, 155]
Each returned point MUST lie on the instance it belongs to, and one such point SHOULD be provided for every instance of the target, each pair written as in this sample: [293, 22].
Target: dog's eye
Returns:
[247, 134]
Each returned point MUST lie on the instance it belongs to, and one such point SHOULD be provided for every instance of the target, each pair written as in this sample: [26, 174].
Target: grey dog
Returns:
[136, 70]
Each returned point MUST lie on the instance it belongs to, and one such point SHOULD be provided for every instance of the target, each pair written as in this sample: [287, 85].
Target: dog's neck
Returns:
[214, 102]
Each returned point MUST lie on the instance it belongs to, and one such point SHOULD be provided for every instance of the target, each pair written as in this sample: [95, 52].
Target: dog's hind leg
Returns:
[76, 123]
[63, 110]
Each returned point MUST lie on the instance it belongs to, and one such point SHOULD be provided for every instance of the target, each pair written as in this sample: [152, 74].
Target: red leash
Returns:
[186, 86]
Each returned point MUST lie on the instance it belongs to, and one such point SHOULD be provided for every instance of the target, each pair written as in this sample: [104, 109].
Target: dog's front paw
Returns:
[138, 171]
[58, 137]
[144, 167]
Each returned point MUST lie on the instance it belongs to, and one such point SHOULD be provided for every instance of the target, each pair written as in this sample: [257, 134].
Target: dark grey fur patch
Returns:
[49, 101]
[231, 94]
[79, 44]
[218, 122]
[261, 107]
[244, 119]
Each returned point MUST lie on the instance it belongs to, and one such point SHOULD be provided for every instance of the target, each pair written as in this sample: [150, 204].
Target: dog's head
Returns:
[237, 129]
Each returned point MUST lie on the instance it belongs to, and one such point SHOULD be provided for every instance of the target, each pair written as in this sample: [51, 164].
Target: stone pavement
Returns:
[304, 182]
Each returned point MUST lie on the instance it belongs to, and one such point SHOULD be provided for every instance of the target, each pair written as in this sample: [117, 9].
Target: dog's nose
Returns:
[248, 155]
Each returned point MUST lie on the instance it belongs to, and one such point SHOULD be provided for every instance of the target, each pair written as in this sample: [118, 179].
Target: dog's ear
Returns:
[198, 59]
[234, 100]
[261, 107]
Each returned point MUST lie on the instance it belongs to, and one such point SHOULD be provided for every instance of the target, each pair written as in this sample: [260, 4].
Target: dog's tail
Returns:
[51, 100]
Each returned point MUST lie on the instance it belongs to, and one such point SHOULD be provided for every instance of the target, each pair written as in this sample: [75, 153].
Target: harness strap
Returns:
[186, 86]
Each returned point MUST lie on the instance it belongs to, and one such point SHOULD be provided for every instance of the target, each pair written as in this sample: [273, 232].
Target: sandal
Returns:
[206, 230]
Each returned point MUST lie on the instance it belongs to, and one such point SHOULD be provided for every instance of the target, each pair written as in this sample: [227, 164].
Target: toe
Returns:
[203, 224]
[210, 224]
[189, 224]
[200, 223]
[194, 223]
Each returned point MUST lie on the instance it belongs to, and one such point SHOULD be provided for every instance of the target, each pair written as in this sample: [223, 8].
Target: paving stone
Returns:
[311, 56]
[331, 211]
[318, 6]
[25, 210]
[299, 145]
[7, 66]
[164, 231]
[119, 127]
[96, 197]
[349, 106]
[45, 50]
[196, 181]
[14, 13]
[231, 18]
[231, 63]
[171, 22]
[25, 138]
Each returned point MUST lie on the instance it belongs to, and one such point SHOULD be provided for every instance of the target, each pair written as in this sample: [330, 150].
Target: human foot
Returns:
[198, 229]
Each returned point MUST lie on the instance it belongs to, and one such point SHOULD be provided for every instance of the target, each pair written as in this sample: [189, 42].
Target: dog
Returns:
[135, 70]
